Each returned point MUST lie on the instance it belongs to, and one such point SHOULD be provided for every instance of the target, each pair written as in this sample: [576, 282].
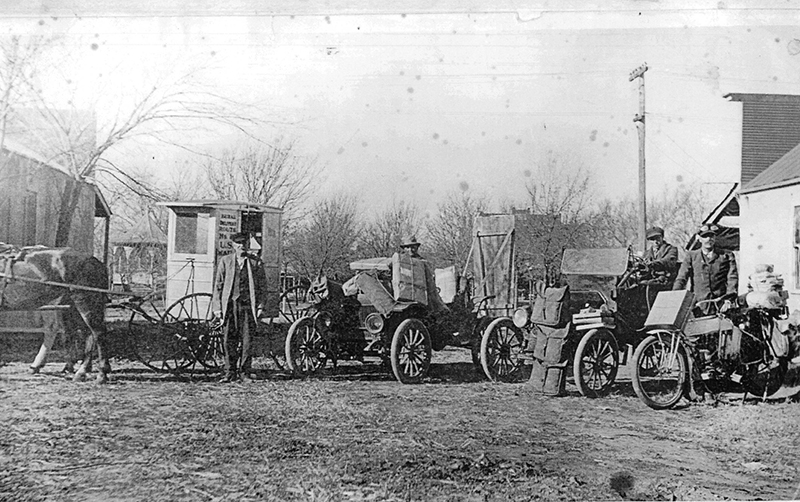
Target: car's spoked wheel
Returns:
[502, 350]
[596, 363]
[411, 351]
[305, 348]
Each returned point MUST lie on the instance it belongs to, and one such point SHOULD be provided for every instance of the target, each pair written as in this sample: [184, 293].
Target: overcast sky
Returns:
[414, 104]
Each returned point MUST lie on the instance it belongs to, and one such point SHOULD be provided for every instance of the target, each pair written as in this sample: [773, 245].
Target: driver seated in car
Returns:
[661, 257]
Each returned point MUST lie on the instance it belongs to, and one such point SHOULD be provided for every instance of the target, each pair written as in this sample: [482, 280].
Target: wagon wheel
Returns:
[660, 370]
[596, 363]
[305, 348]
[155, 346]
[502, 347]
[190, 318]
[411, 351]
[294, 304]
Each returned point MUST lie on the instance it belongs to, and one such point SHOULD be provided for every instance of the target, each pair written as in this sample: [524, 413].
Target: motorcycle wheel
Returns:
[660, 371]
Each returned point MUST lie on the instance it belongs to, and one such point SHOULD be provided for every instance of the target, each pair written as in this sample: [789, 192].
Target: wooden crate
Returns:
[671, 310]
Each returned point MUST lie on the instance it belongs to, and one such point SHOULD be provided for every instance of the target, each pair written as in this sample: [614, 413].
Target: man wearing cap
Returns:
[661, 256]
[238, 299]
[712, 270]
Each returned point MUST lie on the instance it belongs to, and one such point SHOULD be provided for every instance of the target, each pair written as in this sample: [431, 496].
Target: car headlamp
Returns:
[374, 323]
[520, 317]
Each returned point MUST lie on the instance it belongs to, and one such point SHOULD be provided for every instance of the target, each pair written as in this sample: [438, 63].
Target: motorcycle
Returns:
[739, 348]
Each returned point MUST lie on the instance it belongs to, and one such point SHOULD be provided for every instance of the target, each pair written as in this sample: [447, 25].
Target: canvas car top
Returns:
[595, 261]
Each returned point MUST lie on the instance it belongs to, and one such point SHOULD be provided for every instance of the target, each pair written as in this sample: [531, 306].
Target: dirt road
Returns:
[359, 435]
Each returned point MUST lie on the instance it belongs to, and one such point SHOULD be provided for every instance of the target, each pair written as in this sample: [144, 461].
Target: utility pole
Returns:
[639, 120]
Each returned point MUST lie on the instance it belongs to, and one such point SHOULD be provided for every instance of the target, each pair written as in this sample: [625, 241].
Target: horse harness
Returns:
[16, 255]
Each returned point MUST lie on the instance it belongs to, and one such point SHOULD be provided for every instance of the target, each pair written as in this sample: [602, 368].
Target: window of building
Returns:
[796, 247]
[191, 233]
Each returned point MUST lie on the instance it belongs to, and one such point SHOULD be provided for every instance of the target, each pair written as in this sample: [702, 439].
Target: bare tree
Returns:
[17, 70]
[614, 223]
[559, 194]
[266, 174]
[71, 137]
[383, 235]
[324, 242]
[450, 231]
[677, 210]
[138, 191]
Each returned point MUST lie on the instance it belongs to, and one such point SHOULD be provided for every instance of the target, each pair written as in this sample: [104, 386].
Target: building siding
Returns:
[767, 236]
[31, 201]
[770, 129]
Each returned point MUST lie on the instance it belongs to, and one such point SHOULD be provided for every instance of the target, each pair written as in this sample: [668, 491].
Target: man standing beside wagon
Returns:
[238, 299]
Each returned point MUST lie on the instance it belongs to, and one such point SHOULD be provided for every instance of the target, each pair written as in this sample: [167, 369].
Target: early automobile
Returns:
[392, 309]
[610, 291]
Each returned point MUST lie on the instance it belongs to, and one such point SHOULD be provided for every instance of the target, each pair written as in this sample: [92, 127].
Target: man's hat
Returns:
[240, 237]
[409, 241]
[707, 230]
[653, 232]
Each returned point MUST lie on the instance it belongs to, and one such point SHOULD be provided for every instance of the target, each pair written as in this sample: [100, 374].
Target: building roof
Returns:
[783, 172]
[763, 98]
[222, 204]
[17, 148]
[727, 211]
[770, 129]
[101, 207]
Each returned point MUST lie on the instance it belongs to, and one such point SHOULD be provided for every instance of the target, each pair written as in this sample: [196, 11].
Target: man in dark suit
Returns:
[661, 256]
[712, 270]
[238, 299]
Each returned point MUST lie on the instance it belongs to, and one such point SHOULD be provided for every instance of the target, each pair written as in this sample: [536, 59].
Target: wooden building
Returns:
[31, 189]
[770, 224]
[770, 129]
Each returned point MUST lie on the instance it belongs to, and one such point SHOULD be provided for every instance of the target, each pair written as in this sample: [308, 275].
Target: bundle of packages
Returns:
[764, 280]
[592, 316]
[766, 289]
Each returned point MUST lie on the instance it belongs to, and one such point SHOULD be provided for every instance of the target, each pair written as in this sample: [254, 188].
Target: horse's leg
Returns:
[51, 328]
[73, 329]
[91, 308]
[41, 357]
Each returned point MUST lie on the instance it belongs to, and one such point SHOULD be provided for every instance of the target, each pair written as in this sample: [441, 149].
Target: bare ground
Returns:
[359, 435]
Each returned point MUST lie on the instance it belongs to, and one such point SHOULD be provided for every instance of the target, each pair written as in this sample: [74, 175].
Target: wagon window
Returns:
[191, 233]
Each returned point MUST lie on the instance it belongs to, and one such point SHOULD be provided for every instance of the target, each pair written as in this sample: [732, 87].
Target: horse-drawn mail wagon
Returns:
[199, 233]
